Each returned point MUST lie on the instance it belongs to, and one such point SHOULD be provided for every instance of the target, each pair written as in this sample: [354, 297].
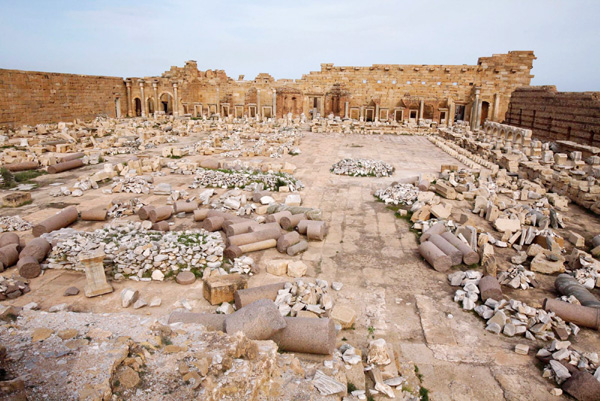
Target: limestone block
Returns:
[219, 289]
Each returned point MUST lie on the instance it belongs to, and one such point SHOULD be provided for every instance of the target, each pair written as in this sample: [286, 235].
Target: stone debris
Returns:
[11, 288]
[244, 179]
[13, 223]
[135, 253]
[244, 265]
[300, 296]
[517, 277]
[124, 207]
[561, 351]
[362, 168]
[398, 194]
[134, 185]
[510, 317]
[327, 385]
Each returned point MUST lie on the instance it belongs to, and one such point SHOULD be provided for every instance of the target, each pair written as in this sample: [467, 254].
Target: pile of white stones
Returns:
[243, 265]
[589, 274]
[398, 194]
[517, 277]
[137, 253]
[511, 317]
[124, 207]
[13, 223]
[80, 186]
[301, 295]
[362, 168]
[235, 200]
[562, 351]
[243, 179]
[135, 184]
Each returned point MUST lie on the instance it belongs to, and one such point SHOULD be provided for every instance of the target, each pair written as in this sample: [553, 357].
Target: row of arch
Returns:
[164, 105]
[507, 134]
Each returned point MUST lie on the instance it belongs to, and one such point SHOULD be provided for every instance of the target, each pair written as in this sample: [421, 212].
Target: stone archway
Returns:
[138, 106]
[150, 105]
[166, 103]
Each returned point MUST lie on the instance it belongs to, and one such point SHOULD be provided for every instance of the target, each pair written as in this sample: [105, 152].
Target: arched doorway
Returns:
[138, 107]
[485, 108]
[166, 103]
[150, 107]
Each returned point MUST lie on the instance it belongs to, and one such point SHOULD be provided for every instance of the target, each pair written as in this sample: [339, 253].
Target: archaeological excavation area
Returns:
[411, 232]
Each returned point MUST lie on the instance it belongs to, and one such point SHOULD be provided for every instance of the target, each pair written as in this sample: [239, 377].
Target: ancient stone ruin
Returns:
[390, 231]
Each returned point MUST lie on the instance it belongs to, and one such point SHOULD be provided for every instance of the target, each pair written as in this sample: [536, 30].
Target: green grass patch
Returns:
[28, 175]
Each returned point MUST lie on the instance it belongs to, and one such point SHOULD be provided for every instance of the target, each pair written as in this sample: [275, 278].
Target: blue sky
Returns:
[290, 38]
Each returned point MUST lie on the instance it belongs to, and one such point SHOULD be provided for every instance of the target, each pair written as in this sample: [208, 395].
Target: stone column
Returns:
[118, 107]
[92, 263]
[321, 103]
[143, 98]
[218, 101]
[496, 106]
[361, 117]
[175, 101]
[128, 84]
[346, 110]
[376, 112]
[274, 104]
[421, 109]
[474, 108]
[451, 112]
[155, 88]
[258, 108]
[478, 120]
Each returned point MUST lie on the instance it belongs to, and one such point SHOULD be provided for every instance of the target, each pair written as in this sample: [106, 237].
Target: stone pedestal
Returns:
[94, 273]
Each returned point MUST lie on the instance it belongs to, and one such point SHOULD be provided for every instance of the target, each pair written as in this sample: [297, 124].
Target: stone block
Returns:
[344, 315]
[219, 289]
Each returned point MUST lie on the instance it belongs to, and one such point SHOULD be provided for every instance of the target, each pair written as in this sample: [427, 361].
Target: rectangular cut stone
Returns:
[219, 289]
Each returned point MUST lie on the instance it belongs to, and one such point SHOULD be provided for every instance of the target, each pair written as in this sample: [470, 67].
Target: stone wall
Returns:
[40, 97]
[556, 116]
[380, 92]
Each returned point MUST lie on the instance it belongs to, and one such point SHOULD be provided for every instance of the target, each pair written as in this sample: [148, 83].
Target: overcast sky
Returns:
[289, 38]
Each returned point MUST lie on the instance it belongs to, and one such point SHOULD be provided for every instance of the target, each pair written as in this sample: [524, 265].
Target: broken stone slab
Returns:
[489, 288]
[543, 263]
[259, 320]
[327, 385]
[296, 268]
[507, 224]
[344, 315]
[435, 256]
[128, 297]
[60, 220]
[219, 289]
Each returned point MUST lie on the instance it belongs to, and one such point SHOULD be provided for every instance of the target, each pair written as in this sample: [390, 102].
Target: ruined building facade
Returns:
[556, 116]
[381, 92]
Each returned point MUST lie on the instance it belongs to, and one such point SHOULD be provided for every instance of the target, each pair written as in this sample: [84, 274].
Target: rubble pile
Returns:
[362, 168]
[13, 223]
[517, 277]
[124, 207]
[243, 265]
[336, 125]
[244, 179]
[11, 288]
[304, 299]
[511, 317]
[137, 253]
[235, 200]
[561, 351]
[398, 194]
[135, 185]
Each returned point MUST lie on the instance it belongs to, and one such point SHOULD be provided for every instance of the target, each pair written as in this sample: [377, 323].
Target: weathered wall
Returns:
[39, 97]
[553, 115]
[379, 90]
